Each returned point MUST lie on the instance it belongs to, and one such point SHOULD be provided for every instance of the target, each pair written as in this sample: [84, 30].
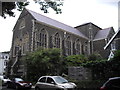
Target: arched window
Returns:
[57, 41]
[78, 46]
[68, 45]
[25, 43]
[43, 38]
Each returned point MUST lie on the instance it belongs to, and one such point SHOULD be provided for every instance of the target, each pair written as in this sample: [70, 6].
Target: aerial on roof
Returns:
[54, 23]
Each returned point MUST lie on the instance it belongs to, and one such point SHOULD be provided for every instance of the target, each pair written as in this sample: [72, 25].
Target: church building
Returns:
[33, 30]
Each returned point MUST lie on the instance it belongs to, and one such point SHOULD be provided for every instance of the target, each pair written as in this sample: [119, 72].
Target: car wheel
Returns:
[59, 89]
[37, 88]
[16, 87]
[7, 85]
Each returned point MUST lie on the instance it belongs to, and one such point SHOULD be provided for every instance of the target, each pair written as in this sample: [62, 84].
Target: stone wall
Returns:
[79, 73]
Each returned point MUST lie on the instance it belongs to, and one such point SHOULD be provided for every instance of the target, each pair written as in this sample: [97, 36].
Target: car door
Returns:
[12, 83]
[115, 84]
[50, 84]
[42, 83]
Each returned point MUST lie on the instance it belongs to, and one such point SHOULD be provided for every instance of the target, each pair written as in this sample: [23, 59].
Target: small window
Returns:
[42, 79]
[6, 57]
[50, 80]
[22, 24]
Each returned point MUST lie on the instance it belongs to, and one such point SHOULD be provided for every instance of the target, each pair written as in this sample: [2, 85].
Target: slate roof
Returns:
[87, 24]
[54, 23]
[113, 37]
[102, 34]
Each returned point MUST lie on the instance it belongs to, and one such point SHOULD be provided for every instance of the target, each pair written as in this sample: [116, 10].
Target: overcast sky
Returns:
[103, 13]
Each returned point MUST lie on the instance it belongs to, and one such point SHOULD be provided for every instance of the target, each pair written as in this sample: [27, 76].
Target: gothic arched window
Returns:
[43, 38]
[78, 46]
[57, 40]
[68, 45]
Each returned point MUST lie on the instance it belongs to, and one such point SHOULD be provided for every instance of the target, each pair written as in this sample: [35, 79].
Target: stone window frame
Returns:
[16, 46]
[68, 46]
[78, 46]
[57, 40]
[22, 24]
[24, 47]
[15, 50]
[42, 38]
[86, 47]
[25, 43]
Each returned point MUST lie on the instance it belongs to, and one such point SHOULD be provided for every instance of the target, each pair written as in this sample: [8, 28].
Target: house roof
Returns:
[113, 37]
[102, 34]
[54, 23]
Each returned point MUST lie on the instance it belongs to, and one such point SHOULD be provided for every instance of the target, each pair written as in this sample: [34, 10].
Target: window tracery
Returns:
[42, 38]
[68, 45]
[57, 41]
[78, 46]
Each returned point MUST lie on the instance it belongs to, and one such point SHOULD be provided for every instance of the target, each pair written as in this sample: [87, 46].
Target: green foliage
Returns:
[7, 7]
[117, 56]
[104, 69]
[94, 57]
[43, 62]
[21, 5]
[75, 60]
[54, 4]
[51, 62]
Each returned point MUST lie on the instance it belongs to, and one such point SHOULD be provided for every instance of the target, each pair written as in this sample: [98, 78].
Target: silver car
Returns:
[54, 83]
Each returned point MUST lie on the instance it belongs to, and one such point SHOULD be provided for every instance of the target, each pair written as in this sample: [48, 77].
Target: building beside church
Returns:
[4, 59]
[114, 43]
[33, 30]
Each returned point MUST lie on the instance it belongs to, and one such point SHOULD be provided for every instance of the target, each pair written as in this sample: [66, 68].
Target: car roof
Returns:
[50, 76]
[114, 78]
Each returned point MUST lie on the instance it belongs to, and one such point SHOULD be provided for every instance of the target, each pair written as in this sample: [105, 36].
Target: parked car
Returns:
[111, 84]
[18, 83]
[54, 83]
[4, 80]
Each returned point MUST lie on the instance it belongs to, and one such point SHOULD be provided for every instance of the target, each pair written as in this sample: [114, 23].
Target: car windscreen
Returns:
[60, 80]
[18, 79]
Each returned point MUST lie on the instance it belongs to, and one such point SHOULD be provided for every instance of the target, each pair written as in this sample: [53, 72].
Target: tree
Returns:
[104, 69]
[75, 60]
[43, 62]
[94, 57]
[7, 7]
[55, 5]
